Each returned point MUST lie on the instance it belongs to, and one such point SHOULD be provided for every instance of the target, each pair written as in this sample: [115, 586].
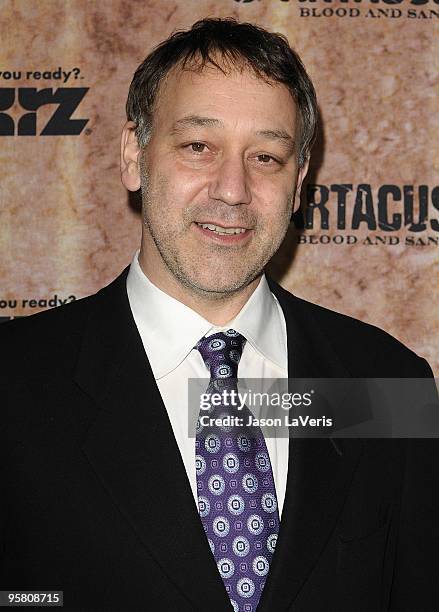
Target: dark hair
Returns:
[236, 44]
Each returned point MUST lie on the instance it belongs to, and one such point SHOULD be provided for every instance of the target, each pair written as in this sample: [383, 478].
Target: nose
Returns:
[230, 182]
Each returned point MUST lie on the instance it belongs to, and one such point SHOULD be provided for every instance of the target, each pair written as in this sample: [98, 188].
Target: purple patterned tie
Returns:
[236, 493]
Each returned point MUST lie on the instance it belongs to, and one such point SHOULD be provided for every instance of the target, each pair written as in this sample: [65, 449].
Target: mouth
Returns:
[219, 229]
[224, 235]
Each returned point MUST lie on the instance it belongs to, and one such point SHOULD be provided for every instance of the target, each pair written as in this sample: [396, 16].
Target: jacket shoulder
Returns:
[52, 336]
[364, 346]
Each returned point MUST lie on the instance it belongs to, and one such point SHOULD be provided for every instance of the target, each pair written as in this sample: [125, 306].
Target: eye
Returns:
[265, 159]
[196, 147]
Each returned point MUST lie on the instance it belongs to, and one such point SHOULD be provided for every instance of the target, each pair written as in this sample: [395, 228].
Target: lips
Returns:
[220, 229]
[214, 233]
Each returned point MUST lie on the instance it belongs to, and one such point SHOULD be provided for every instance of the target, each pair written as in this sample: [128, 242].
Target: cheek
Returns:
[173, 192]
[275, 204]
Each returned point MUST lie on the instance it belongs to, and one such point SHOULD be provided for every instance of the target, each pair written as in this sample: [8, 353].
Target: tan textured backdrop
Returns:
[66, 227]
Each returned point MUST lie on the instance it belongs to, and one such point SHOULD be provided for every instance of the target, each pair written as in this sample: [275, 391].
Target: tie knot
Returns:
[221, 353]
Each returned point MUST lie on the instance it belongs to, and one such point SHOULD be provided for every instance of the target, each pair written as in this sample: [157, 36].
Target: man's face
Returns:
[218, 177]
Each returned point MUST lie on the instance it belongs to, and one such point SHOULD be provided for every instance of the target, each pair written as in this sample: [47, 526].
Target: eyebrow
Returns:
[281, 135]
[200, 121]
[195, 121]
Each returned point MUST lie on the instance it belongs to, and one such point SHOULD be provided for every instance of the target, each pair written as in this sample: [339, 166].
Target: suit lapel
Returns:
[319, 470]
[132, 448]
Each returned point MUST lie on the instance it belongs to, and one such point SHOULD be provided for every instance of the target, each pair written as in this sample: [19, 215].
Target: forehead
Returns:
[237, 97]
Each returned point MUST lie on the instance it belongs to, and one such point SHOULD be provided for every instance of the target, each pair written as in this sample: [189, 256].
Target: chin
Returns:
[218, 284]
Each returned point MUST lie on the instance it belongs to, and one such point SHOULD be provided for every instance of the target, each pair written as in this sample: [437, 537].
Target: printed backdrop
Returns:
[367, 243]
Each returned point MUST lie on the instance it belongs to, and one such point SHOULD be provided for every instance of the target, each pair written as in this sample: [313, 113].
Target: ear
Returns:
[129, 157]
[300, 177]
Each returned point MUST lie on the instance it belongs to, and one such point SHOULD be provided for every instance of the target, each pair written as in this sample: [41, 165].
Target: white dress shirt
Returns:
[169, 331]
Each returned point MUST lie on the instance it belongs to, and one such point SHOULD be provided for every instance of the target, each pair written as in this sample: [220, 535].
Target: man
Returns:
[100, 480]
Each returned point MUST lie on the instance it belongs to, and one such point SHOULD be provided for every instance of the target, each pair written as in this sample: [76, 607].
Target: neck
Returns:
[216, 308]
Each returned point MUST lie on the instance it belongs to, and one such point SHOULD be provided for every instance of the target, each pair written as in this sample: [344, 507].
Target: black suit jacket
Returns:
[95, 500]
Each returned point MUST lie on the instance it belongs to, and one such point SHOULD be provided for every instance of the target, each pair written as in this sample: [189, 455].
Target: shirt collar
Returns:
[170, 329]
